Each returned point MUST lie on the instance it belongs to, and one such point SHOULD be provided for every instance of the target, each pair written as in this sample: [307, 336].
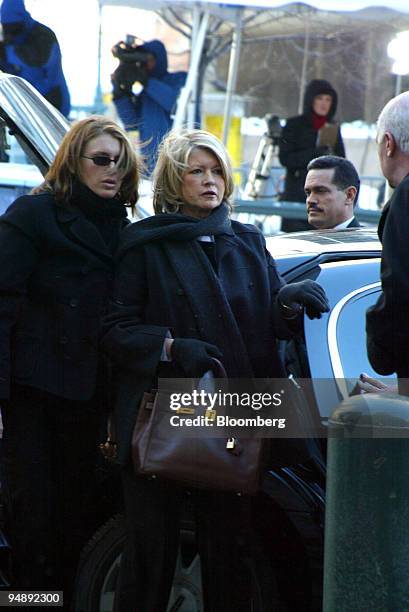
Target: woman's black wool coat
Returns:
[55, 279]
[170, 285]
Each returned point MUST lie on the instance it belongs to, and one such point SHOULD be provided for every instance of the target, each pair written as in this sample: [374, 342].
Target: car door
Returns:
[30, 133]
[336, 343]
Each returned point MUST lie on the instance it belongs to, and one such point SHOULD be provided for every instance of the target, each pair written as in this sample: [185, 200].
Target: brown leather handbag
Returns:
[226, 464]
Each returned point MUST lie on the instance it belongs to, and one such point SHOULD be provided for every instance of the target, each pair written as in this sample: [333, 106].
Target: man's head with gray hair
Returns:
[393, 139]
[394, 118]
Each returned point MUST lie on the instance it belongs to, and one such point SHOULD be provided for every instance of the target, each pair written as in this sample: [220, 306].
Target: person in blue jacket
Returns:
[149, 112]
[31, 50]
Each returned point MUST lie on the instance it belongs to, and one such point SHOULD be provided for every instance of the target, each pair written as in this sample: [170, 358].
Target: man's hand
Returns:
[367, 384]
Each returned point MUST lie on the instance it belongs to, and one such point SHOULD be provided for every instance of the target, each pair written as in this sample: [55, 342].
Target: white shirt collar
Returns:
[344, 224]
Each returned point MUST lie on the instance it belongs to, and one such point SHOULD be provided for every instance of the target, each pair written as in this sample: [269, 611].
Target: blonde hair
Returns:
[66, 166]
[173, 161]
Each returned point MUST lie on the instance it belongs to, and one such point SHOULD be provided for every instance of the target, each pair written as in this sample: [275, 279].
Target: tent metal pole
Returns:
[186, 92]
[232, 78]
[99, 106]
[193, 97]
[303, 80]
[398, 84]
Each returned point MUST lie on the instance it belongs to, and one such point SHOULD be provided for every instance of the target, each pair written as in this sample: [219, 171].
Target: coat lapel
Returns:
[209, 302]
[224, 244]
[82, 230]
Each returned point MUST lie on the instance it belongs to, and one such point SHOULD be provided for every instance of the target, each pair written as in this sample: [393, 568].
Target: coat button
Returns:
[180, 292]
[73, 302]
[120, 302]
[196, 316]
[63, 340]
[251, 285]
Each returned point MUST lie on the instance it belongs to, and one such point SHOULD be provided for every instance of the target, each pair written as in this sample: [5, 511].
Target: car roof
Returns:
[295, 249]
[319, 241]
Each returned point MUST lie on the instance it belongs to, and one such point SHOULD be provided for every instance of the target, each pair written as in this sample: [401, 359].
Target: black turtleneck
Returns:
[107, 214]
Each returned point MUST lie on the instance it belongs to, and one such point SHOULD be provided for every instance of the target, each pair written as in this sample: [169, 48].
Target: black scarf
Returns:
[106, 214]
[196, 275]
[93, 206]
[178, 227]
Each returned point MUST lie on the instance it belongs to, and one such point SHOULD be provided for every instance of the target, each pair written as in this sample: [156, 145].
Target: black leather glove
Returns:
[141, 75]
[194, 357]
[121, 83]
[308, 293]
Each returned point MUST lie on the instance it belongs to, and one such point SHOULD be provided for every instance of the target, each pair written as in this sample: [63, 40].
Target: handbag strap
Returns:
[218, 369]
[206, 382]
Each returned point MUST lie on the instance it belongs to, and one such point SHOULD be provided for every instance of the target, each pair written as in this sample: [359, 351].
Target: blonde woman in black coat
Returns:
[191, 285]
[56, 267]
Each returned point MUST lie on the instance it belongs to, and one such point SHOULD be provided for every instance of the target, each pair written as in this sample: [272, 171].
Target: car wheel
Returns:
[99, 568]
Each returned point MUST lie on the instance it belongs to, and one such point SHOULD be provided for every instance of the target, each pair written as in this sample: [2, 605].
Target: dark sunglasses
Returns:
[102, 160]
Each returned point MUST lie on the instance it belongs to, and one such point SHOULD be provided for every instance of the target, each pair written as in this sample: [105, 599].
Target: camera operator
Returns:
[30, 50]
[149, 112]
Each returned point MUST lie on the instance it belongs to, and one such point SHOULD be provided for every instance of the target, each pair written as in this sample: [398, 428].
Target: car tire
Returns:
[99, 567]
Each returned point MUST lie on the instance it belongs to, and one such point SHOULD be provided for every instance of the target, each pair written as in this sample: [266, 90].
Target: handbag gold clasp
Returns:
[231, 443]
[210, 414]
[185, 410]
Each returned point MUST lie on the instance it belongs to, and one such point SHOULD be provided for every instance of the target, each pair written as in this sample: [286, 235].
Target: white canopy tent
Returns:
[327, 5]
[263, 16]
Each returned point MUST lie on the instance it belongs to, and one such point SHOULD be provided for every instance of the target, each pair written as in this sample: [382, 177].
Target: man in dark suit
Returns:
[387, 322]
[331, 189]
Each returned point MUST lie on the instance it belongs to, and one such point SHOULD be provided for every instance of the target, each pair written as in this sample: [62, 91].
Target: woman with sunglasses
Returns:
[56, 257]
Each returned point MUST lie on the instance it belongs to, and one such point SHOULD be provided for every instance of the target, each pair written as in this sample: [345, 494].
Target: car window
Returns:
[349, 357]
[336, 343]
[18, 175]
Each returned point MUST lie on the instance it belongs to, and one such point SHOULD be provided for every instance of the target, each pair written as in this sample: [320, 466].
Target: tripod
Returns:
[263, 161]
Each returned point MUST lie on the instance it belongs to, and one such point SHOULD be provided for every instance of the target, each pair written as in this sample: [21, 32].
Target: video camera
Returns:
[274, 128]
[128, 52]
[132, 63]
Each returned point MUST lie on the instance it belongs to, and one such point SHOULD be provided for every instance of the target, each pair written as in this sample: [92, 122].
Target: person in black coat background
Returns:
[298, 144]
[192, 285]
[56, 266]
[387, 321]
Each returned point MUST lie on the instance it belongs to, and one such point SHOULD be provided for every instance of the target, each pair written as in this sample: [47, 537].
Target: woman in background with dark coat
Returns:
[56, 266]
[299, 144]
[191, 285]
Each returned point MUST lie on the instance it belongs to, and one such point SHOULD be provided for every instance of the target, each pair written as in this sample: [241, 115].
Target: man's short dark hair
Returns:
[345, 173]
